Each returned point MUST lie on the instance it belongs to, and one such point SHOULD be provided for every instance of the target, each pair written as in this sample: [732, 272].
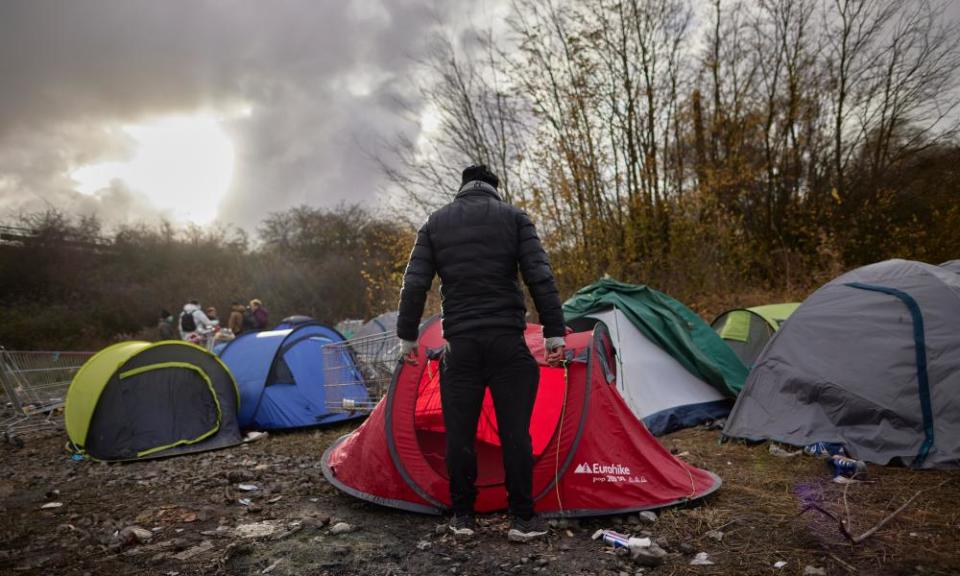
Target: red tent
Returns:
[592, 456]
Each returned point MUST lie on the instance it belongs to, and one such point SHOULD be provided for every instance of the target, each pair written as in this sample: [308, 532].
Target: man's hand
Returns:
[410, 352]
[556, 354]
[555, 357]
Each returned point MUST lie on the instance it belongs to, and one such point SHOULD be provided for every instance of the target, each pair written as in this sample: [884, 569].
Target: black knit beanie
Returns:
[479, 172]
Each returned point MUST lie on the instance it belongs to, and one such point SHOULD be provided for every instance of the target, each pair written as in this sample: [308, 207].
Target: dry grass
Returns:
[759, 509]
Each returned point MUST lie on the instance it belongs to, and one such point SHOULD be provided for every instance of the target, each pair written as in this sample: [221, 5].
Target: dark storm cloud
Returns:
[322, 79]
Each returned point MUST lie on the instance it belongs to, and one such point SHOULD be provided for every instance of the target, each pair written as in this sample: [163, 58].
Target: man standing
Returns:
[194, 325]
[476, 245]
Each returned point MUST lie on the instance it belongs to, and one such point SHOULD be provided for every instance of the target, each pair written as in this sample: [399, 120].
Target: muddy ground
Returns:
[194, 523]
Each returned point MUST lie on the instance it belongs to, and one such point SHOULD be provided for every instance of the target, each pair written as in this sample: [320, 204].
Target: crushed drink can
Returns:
[824, 449]
[847, 467]
[611, 538]
[618, 540]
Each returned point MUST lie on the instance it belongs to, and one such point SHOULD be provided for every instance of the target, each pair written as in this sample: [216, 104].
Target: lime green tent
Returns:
[672, 326]
[747, 330]
[137, 400]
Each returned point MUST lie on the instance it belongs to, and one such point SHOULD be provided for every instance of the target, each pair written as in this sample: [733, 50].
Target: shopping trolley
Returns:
[35, 386]
[362, 363]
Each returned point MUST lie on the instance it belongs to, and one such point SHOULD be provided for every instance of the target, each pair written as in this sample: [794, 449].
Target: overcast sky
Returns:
[294, 93]
[128, 108]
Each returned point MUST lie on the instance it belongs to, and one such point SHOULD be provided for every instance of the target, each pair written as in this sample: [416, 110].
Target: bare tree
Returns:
[473, 118]
[855, 29]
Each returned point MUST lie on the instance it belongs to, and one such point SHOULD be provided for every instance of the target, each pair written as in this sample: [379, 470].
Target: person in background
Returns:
[248, 322]
[235, 321]
[220, 334]
[212, 316]
[476, 245]
[260, 315]
[165, 325]
[194, 325]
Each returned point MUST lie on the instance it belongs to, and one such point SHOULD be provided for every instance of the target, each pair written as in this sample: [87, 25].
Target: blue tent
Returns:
[287, 379]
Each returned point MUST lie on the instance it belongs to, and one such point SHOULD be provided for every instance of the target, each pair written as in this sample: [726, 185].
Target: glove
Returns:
[554, 346]
[407, 346]
[554, 342]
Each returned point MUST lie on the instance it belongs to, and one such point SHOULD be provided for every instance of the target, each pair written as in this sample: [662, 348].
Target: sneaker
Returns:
[526, 530]
[462, 525]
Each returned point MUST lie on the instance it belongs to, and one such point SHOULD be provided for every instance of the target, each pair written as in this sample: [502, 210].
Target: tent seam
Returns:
[920, 352]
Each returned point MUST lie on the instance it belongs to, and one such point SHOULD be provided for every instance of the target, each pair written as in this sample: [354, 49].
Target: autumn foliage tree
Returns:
[702, 147]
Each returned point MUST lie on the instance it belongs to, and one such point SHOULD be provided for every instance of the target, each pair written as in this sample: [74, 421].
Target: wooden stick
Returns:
[843, 564]
[892, 515]
[845, 522]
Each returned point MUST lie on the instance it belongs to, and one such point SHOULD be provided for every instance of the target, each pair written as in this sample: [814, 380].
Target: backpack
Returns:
[188, 323]
[249, 323]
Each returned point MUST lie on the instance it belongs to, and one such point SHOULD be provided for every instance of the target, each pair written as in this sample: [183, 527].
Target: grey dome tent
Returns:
[952, 265]
[870, 360]
[295, 320]
[386, 322]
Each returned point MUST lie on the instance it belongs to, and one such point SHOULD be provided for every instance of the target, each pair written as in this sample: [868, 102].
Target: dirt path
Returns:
[192, 508]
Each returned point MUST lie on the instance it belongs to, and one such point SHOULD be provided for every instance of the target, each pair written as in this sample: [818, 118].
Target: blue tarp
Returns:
[687, 416]
[282, 377]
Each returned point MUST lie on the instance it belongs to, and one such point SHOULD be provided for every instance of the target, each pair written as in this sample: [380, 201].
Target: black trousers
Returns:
[502, 361]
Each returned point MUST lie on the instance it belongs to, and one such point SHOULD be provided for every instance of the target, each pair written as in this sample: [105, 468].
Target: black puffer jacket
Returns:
[476, 245]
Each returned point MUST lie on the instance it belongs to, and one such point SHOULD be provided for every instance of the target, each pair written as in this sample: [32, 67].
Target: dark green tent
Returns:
[672, 326]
